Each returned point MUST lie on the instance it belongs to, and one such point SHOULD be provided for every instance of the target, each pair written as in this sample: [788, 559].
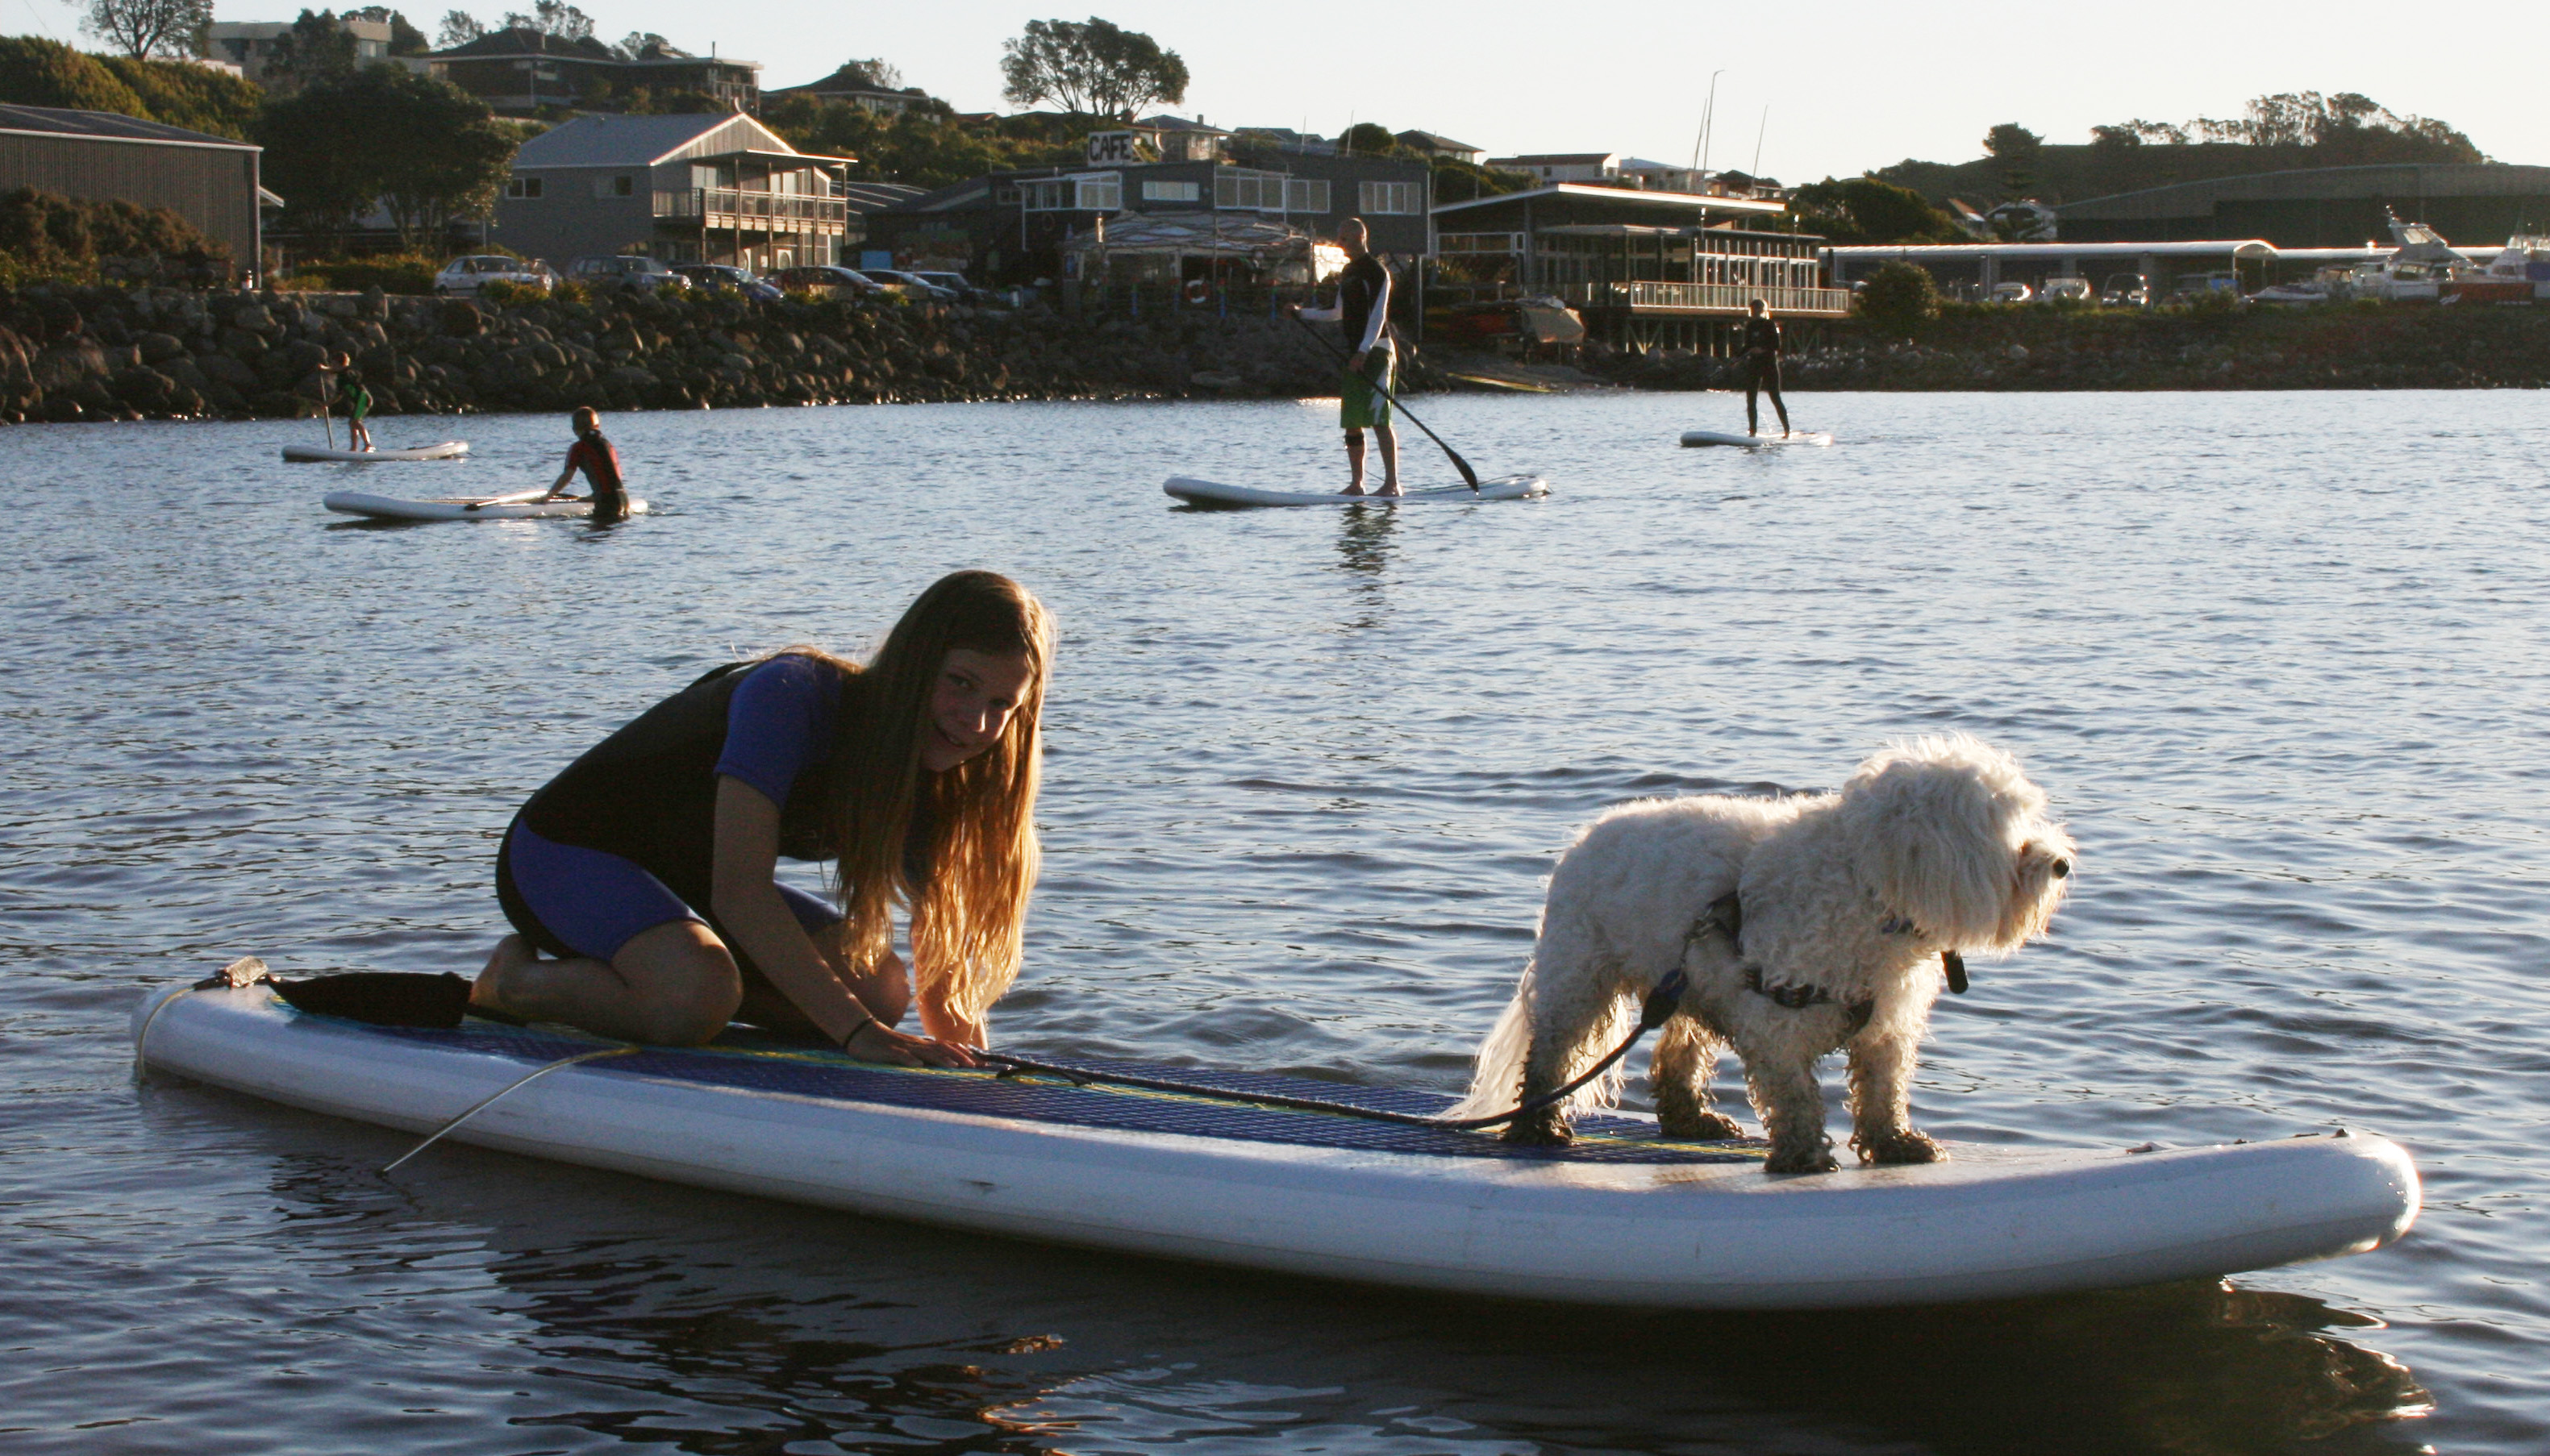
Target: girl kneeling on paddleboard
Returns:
[640, 878]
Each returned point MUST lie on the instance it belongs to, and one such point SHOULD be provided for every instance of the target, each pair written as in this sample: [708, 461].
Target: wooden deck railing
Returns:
[1714, 297]
[770, 212]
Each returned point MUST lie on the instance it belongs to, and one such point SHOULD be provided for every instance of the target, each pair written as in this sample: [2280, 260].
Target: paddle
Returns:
[1467, 474]
[515, 498]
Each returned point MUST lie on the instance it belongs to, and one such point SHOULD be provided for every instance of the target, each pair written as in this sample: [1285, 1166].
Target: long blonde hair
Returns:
[968, 916]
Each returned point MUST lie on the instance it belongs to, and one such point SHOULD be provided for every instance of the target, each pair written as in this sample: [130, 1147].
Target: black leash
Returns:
[1660, 1006]
[1467, 474]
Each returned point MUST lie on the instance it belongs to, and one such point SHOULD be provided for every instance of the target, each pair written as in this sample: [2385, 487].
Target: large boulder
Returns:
[64, 367]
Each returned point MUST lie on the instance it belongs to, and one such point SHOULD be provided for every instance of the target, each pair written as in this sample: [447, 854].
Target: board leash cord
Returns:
[490, 1099]
[1659, 1006]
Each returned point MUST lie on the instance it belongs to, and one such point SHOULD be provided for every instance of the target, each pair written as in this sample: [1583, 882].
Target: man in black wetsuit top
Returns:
[1363, 315]
[1763, 367]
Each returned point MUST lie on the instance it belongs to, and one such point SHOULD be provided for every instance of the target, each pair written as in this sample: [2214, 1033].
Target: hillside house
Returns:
[721, 189]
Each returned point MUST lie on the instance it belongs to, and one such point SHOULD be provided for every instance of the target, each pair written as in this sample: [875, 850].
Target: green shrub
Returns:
[1898, 296]
[46, 235]
[400, 273]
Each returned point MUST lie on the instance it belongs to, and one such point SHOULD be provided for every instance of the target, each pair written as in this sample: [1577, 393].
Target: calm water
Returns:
[2280, 658]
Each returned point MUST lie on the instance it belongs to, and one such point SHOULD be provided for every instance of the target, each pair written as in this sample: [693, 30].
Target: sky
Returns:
[1848, 85]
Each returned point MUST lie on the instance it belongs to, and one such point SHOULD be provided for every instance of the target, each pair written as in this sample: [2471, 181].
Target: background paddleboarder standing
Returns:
[1763, 367]
[1363, 315]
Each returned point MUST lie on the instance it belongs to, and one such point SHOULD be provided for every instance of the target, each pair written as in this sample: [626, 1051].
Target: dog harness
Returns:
[1725, 916]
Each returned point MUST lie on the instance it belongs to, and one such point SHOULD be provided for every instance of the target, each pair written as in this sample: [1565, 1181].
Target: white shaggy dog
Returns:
[1803, 925]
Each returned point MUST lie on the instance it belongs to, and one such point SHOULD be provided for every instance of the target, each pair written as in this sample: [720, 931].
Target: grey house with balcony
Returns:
[1011, 226]
[717, 189]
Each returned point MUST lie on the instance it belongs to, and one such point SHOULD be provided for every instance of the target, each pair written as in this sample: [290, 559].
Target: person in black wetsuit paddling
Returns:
[1763, 367]
[1363, 315]
[639, 880]
[594, 455]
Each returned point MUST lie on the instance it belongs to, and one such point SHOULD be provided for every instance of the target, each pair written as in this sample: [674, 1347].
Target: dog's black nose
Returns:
[2062, 869]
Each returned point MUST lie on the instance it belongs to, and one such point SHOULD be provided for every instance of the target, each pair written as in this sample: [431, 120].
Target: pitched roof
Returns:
[524, 40]
[114, 126]
[1435, 140]
[600, 140]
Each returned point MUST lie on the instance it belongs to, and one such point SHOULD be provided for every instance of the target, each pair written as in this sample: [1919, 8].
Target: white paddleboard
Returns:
[1765, 438]
[463, 508]
[1214, 492]
[1622, 1217]
[449, 449]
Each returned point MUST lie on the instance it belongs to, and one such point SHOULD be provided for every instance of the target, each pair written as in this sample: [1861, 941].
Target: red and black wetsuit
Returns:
[594, 455]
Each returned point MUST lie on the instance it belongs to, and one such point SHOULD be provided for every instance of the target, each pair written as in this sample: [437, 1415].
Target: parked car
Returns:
[915, 286]
[2065, 289]
[955, 283]
[2126, 291]
[2010, 293]
[464, 276]
[629, 271]
[829, 279]
[716, 276]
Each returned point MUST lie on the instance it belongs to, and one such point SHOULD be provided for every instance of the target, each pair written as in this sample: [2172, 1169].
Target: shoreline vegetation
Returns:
[108, 352]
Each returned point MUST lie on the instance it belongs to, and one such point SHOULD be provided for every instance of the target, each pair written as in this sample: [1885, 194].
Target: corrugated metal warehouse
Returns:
[2473, 204]
[98, 155]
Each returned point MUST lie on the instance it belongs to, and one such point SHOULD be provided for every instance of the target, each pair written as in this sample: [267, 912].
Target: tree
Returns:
[1864, 210]
[1368, 139]
[2018, 149]
[386, 137]
[1092, 70]
[317, 46]
[458, 28]
[553, 17]
[404, 39]
[148, 28]
[646, 46]
[1899, 297]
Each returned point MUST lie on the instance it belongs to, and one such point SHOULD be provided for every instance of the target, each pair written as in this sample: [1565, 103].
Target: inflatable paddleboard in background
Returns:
[527, 506]
[1623, 1217]
[1765, 438]
[1196, 492]
[449, 449]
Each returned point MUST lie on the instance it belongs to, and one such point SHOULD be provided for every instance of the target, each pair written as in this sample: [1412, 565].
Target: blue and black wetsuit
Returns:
[626, 838]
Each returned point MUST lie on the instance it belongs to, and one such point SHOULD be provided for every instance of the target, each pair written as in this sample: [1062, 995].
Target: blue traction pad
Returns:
[750, 1062]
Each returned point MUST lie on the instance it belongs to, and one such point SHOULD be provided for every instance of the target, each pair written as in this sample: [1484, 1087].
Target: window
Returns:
[1046, 195]
[1172, 191]
[1238, 189]
[1101, 192]
[1390, 197]
[523, 186]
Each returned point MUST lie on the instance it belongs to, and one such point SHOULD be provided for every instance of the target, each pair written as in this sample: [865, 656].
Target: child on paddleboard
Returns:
[594, 455]
[639, 880]
[354, 397]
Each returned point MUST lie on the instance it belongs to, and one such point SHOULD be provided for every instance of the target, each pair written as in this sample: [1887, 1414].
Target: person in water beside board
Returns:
[639, 880]
[1362, 313]
[594, 455]
[1763, 367]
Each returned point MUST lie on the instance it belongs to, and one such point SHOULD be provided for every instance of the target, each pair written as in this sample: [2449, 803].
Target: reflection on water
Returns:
[711, 1324]
[1363, 551]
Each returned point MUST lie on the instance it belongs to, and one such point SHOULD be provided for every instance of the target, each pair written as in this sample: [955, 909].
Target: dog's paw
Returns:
[1696, 1127]
[1815, 1159]
[1906, 1146]
[1539, 1131]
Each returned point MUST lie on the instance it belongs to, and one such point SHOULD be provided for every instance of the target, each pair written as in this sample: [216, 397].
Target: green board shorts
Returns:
[1361, 405]
[358, 402]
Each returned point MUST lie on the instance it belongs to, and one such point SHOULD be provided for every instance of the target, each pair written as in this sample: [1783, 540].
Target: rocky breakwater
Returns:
[116, 353]
[2022, 347]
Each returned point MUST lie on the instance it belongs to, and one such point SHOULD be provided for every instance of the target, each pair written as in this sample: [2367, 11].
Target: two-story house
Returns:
[1011, 226]
[721, 189]
[522, 71]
